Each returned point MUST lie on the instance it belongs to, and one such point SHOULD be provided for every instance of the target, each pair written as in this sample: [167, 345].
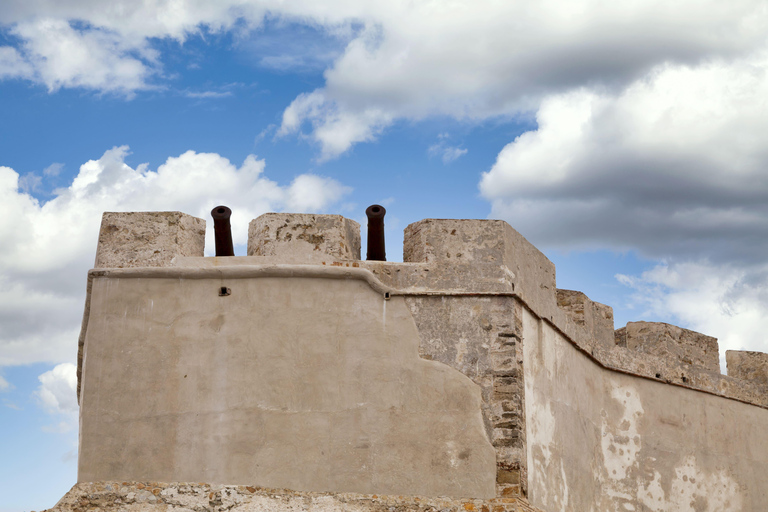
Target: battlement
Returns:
[462, 371]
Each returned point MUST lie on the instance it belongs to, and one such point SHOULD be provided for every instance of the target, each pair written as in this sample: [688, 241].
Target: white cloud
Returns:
[673, 165]
[13, 65]
[402, 59]
[446, 152]
[477, 60]
[5, 385]
[91, 58]
[30, 182]
[208, 94]
[333, 127]
[58, 389]
[309, 192]
[54, 169]
[48, 248]
[11, 405]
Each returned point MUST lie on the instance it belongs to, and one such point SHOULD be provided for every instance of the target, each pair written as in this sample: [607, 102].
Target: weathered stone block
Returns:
[449, 241]
[303, 237]
[148, 239]
[595, 318]
[457, 240]
[670, 342]
[746, 365]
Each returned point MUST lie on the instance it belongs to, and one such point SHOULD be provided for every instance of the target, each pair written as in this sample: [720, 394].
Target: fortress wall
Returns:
[307, 383]
[540, 370]
[601, 440]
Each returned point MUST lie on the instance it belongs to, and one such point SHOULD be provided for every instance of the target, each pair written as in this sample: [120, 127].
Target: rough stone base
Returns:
[199, 497]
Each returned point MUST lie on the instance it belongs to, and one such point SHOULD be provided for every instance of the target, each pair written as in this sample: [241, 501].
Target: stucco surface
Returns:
[600, 440]
[306, 383]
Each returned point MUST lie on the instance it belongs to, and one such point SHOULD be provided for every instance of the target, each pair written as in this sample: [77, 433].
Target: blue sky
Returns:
[627, 141]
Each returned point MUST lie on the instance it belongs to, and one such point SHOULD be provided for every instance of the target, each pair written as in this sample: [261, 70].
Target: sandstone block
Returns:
[304, 237]
[596, 318]
[670, 342]
[746, 365]
[456, 241]
[148, 239]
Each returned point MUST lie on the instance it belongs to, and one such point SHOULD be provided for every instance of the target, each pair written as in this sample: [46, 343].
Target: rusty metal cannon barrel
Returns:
[375, 215]
[222, 231]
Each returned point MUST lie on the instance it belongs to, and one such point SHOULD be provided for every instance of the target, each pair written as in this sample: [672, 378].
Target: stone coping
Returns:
[202, 497]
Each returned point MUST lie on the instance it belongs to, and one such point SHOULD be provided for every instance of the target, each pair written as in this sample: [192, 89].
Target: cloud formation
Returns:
[56, 54]
[674, 165]
[58, 389]
[480, 60]
[445, 151]
[48, 248]
[469, 60]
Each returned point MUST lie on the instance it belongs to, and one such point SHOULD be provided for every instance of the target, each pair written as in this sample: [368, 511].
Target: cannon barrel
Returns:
[222, 231]
[375, 215]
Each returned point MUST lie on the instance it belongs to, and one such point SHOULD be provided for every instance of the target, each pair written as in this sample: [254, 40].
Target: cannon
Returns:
[222, 231]
[375, 215]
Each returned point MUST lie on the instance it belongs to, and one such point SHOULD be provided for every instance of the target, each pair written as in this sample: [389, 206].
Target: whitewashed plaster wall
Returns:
[601, 440]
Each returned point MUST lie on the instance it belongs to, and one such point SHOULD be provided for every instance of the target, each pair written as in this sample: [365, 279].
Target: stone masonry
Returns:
[670, 342]
[310, 237]
[148, 239]
[746, 365]
[200, 497]
[467, 285]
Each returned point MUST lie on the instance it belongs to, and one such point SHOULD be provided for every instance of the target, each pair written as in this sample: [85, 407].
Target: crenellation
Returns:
[148, 239]
[304, 237]
[454, 241]
[747, 365]
[595, 318]
[671, 343]
[462, 371]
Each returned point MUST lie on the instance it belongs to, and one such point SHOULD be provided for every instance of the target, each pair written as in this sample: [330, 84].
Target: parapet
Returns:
[303, 237]
[477, 242]
[595, 318]
[462, 371]
[670, 342]
[148, 239]
[751, 366]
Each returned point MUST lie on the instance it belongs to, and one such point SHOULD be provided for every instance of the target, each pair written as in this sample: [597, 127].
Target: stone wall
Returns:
[309, 380]
[148, 239]
[671, 343]
[482, 303]
[601, 440]
[303, 238]
[749, 366]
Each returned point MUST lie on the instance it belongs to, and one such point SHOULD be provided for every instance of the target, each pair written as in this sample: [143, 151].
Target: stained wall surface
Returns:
[294, 382]
[601, 440]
